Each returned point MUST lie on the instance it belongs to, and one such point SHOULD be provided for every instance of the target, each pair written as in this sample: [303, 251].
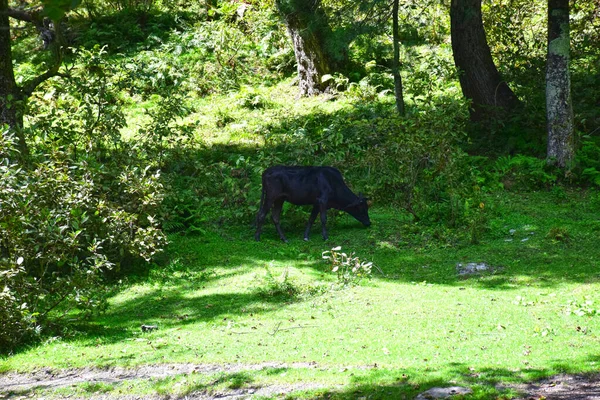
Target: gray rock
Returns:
[443, 393]
[472, 268]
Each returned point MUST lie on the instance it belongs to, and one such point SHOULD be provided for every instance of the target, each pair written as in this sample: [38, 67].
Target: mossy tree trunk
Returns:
[309, 30]
[479, 78]
[559, 109]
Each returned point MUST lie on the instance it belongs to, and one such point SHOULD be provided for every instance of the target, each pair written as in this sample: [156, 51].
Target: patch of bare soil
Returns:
[563, 387]
[13, 384]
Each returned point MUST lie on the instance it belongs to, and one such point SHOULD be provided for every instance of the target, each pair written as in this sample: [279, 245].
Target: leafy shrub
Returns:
[559, 234]
[162, 137]
[17, 322]
[525, 172]
[424, 91]
[348, 268]
[80, 206]
[213, 57]
[588, 160]
[377, 83]
[278, 287]
[63, 225]
[84, 114]
[216, 187]
[415, 163]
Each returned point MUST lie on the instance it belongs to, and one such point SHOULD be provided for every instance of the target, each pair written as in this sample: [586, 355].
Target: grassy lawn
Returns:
[225, 299]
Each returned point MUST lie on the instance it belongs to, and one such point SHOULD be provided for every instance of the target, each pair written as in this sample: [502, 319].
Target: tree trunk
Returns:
[11, 103]
[559, 109]
[396, 68]
[479, 79]
[9, 91]
[308, 27]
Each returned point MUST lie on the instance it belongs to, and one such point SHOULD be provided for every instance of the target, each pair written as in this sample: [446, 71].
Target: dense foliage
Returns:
[63, 227]
[84, 205]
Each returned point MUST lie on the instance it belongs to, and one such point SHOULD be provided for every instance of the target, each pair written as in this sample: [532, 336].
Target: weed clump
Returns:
[559, 234]
[349, 269]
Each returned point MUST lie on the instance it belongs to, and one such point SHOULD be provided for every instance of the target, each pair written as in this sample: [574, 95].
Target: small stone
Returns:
[149, 328]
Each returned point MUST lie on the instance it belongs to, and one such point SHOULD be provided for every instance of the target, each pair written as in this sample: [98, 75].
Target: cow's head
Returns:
[360, 210]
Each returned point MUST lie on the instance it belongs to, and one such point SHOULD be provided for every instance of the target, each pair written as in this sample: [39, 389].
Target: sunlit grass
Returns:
[420, 323]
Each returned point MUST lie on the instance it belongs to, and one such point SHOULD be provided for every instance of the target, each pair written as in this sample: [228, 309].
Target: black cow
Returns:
[321, 187]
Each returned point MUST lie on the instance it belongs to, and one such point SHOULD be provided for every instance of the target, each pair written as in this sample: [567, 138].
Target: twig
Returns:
[277, 329]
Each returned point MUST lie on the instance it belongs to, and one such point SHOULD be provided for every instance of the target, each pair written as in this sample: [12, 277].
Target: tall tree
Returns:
[13, 96]
[309, 30]
[479, 78]
[9, 91]
[559, 108]
[396, 66]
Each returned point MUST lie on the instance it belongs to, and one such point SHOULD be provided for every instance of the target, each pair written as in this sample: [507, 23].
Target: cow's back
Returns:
[300, 184]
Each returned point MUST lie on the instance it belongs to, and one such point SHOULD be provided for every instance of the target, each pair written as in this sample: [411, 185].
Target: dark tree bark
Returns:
[10, 93]
[396, 68]
[309, 30]
[559, 108]
[479, 79]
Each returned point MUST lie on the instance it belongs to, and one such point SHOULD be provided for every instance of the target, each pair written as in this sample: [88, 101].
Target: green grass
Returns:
[224, 298]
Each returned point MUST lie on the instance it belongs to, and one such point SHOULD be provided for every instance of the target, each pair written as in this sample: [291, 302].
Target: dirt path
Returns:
[561, 387]
[12, 383]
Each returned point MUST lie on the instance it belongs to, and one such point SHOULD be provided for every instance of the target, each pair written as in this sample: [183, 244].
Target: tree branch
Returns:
[24, 15]
[30, 86]
[36, 17]
[57, 48]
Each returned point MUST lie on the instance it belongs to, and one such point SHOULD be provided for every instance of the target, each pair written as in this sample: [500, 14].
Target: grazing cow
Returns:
[321, 187]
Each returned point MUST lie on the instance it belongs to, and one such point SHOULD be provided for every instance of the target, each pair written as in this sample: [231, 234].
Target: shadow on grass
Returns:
[488, 383]
[168, 308]
[539, 262]
[171, 306]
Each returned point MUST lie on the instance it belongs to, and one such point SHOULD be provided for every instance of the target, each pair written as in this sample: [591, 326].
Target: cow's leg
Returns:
[311, 221]
[275, 215]
[260, 217]
[323, 209]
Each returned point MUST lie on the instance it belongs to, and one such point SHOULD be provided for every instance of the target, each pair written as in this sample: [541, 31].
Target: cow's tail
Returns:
[262, 201]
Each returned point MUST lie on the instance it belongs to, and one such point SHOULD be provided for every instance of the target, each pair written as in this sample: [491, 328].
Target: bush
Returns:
[348, 268]
[525, 173]
[64, 223]
[588, 160]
